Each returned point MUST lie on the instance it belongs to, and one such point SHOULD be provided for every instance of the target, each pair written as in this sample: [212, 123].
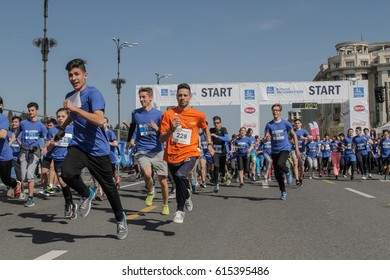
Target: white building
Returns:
[361, 61]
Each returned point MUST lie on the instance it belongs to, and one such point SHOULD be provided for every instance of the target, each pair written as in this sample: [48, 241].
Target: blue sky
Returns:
[195, 41]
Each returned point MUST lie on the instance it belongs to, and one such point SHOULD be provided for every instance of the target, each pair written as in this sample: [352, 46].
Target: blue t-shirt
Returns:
[204, 145]
[360, 145]
[319, 145]
[375, 149]
[348, 144]
[31, 132]
[15, 147]
[312, 149]
[335, 146]
[60, 149]
[111, 137]
[88, 137]
[327, 152]
[253, 139]
[384, 147]
[266, 147]
[5, 150]
[279, 135]
[242, 146]
[368, 145]
[301, 142]
[147, 140]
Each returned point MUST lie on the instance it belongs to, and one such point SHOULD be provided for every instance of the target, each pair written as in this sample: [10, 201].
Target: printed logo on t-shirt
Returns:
[278, 134]
[146, 129]
[31, 135]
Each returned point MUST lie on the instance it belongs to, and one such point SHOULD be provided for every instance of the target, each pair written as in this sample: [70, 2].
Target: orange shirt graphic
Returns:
[192, 120]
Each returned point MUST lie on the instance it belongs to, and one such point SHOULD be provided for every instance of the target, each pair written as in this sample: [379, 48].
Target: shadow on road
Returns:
[45, 218]
[152, 225]
[44, 237]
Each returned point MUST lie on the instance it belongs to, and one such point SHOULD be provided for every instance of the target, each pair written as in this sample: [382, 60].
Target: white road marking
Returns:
[51, 255]
[133, 184]
[360, 193]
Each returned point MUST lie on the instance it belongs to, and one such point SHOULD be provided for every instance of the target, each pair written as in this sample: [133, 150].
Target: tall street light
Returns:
[45, 44]
[118, 81]
[161, 76]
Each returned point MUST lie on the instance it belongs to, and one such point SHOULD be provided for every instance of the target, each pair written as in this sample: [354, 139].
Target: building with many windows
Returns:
[357, 61]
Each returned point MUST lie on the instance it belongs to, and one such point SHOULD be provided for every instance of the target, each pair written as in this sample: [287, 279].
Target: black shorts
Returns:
[46, 162]
[385, 161]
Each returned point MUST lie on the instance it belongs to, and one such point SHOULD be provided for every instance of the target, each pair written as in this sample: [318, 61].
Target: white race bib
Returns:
[64, 142]
[182, 136]
[217, 149]
[75, 99]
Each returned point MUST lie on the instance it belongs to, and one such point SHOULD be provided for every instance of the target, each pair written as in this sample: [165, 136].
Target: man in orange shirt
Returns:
[179, 128]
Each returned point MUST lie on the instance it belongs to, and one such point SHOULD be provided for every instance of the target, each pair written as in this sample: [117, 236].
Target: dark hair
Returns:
[51, 120]
[342, 134]
[32, 104]
[296, 120]
[1, 100]
[358, 128]
[16, 117]
[215, 118]
[184, 85]
[62, 109]
[366, 129]
[385, 130]
[106, 119]
[76, 63]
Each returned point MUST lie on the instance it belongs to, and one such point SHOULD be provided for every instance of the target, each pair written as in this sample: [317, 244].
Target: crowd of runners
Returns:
[175, 146]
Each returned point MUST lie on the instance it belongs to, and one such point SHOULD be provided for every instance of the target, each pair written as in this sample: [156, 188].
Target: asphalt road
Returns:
[324, 219]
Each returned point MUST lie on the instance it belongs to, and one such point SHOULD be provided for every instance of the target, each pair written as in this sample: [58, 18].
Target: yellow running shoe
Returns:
[149, 199]
[165, 210]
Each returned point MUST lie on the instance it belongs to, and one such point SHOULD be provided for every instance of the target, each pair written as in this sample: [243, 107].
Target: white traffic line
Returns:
[51, 255]
[360, 193]
[133, 184]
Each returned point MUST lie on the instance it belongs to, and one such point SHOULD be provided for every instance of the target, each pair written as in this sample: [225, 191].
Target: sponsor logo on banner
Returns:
[359, 123]
[172, 92]
[249, 110]
[164, 92]
[358, 92]
[249, 94]
[250, 125]
[270, 90]
[359, 108]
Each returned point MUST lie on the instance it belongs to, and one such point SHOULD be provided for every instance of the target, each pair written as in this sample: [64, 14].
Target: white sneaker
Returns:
[44, 193]
[188, 204]
[364, 177]
[178, 217]
[369, 175]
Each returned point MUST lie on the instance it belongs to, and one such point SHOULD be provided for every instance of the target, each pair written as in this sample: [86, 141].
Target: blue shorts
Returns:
[58, 165]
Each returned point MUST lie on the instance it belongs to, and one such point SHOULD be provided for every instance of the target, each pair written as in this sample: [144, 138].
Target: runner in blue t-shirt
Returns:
[6, 157]
[280, 130]
[30, 132]
[58, 151]
[243, 145]
[299, 163]
[361, 152]
[267, 151]
[15, 147]
[384, 151]
[326, 154]
[150, 151]
[89, 146]
[350, 156]
[370, 157]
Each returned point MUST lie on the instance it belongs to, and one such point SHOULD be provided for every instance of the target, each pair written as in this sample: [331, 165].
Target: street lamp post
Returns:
[45, 44]
[161, 76]
[118, 81]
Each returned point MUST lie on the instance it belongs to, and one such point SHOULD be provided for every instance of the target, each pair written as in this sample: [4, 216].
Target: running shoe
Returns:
[71, 211]
[30, 202]
[364, 177]
[351, 177]
[49, 190]
[241, 185]
[216, 188]
[203, 185]
[58, 189]
[297, 182]
[178, 217]
[99, 197]
[121, 228]
[149, 199]
[188, 204]
[289, 178]
[10, 192]
[301, 182]
[223, 180]
[172, 193]
[283, 196]
[228, 179]
[369, 175]
[22, 196]
[253, 176]
[17, 190]
[165, 209]
[85, 205]
[43, 192]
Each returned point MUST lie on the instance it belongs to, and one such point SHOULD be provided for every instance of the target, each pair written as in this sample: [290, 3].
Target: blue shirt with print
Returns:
[279, 132]
[60, 149]
[90, 138]
[5, 149]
